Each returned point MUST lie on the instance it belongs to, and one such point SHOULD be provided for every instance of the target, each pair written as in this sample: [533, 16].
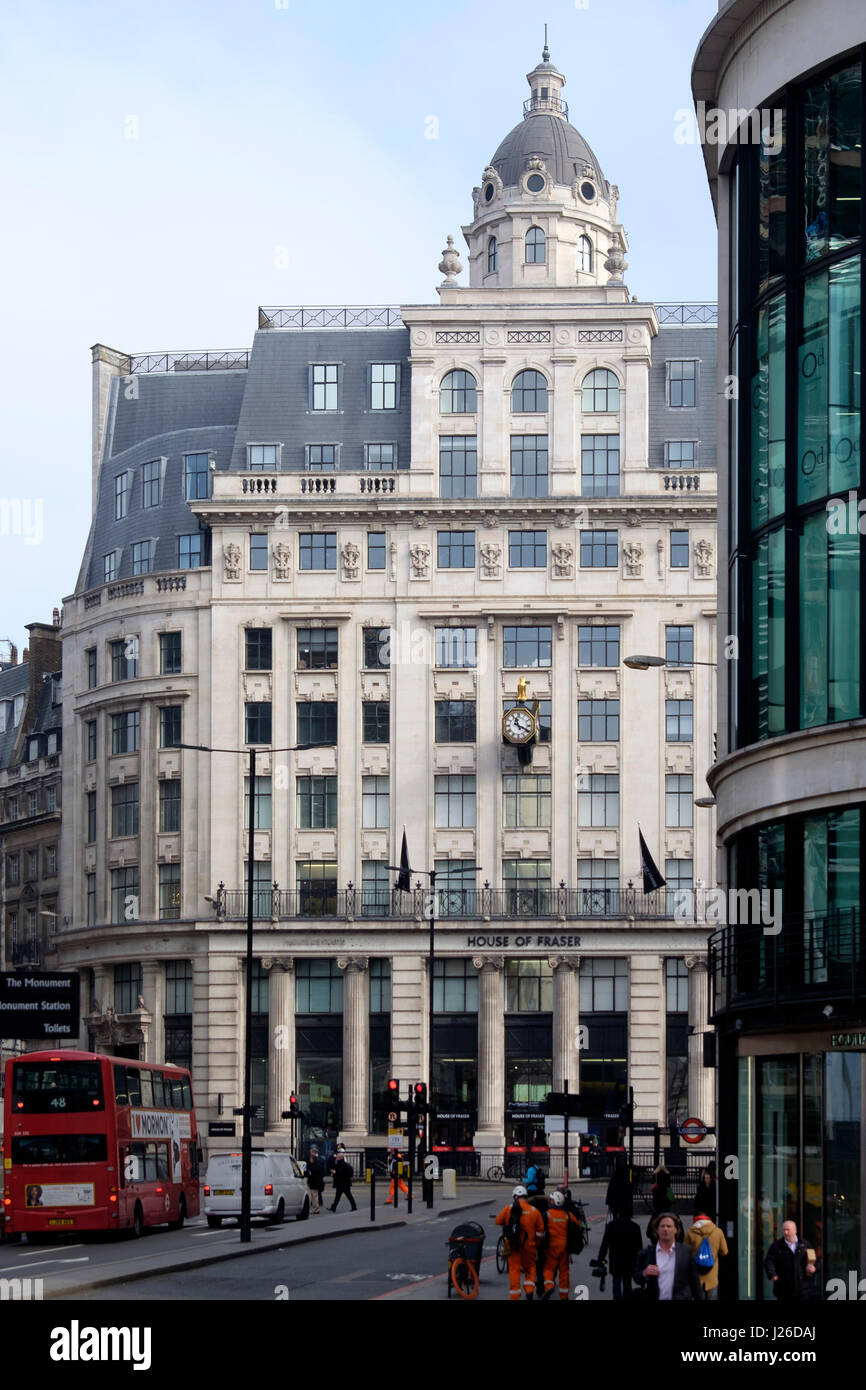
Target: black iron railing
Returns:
[331, 316]
[228, 361]
[810, 957]
[707, 314]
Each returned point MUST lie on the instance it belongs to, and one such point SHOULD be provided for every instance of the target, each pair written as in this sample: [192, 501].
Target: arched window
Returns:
[492, 255]
[536, 247]
[457, 394]
[584, 254]
[600, 392]
[529, 393]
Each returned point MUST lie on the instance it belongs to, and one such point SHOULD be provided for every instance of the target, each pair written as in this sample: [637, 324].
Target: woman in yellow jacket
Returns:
[524, 1259]
[702, 1228]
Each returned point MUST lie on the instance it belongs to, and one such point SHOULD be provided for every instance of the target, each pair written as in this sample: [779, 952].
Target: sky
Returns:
[169, 167]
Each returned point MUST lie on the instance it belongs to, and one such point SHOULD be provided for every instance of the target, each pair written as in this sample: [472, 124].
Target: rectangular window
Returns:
[110, 566]
[599, 465]
[262, 807]
[321, 458]
[681, 453]
[259, 551]
[170, 654]
[678, 721]
[455, 721]
[189, 551]
[263, 458]
[258, 648]
[91, 817]
[526, 646]
[122, 487]
[124, 658]
[454, 801]
[598, 798]
[325, 382]
[32, 803]
[676, 987]
[169, 804]
[124, 810]
[529, 459]
[263, 901]
[142, 557]
[90, 740]
[384, 379]
[375, 900]
[458, 466]
[377, 550]
[599, 549]
[527, 887]
[455, 987]
[456, 887]
[125, 731]
[376, 716]
[317, 803]
[603, 986]
[90, 895]
[598, 721]
[375, 803]
[13, 869]
[319, 986]
[679, 645]
[169, 891]
[318, 550]
[195, 476]
[678, 878]
[178, 987]
[317, 721]
[258, 721]
[380, 458]
[377, 648]
[678, 799]
[90, 655]
[317, 648]
[151, 482]
[50, 799]
[679, 550]
[527, 549]
[170, 720]
[456, 646]
[683, 384]
[316, 881]
[33, 865]
[525, 801]
[127, 988]
[598, 646]
[598, 886]
[455, 550]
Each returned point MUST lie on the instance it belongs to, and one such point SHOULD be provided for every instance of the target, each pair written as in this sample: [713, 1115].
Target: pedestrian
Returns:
[790, 1265]
[621, 1242]
[661, 1198]
[705, 1195]
[534, 1180]
[315, 1181]
[343, 1175]
[618, 1198]
[395, 1160]
[524, 1228]
[556, 1258]
[703, 1228]
[665, 1270]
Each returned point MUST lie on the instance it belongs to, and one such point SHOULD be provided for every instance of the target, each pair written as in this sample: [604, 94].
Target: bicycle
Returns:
[465, 1247]
[501, 1256]
[496, 1173]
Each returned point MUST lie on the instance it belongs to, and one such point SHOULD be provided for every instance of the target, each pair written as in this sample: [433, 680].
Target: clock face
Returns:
[518, 725]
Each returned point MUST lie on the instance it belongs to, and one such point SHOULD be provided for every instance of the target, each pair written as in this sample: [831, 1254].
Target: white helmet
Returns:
[558, 1199]
[519, 1192]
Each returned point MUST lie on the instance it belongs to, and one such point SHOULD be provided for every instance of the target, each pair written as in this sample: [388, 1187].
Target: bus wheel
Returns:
[181, 1216]
[137, 1222]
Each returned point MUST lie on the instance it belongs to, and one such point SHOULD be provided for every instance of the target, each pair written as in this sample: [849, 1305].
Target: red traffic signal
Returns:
[419, 1095]
[392, 1088]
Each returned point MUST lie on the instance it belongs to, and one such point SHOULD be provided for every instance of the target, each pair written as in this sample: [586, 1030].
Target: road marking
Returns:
[415, 1278]
[356, 1274]
[34, 1264]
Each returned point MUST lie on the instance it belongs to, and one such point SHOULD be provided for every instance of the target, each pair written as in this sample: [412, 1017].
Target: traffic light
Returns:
[294, 1108]
[392, 1092]
[419, 1096]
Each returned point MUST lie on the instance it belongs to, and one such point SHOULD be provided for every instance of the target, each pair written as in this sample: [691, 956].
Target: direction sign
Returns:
[692, 1131]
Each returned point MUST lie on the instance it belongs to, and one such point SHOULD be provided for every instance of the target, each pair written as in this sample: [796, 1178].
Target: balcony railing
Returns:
[501, 904]
[703, 315]
[229, 361]
[331, 316]
[811, 957]
[26, 953]
[343, 483]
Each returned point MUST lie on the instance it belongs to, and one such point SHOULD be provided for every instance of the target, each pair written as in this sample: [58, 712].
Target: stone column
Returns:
[356, 1050]
[566, 1020]
[281, 1047]
[701, 1078]
[490, 1135]
[103, 989]
[153, 993]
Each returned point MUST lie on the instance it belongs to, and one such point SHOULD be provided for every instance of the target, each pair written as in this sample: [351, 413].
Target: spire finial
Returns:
[545, 53]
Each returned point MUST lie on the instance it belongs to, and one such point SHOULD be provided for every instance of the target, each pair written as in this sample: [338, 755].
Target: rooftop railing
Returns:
[702, 315]
[809, 957]
[331, 316]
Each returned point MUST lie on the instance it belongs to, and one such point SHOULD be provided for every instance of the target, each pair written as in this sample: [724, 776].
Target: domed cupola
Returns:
[544, 212]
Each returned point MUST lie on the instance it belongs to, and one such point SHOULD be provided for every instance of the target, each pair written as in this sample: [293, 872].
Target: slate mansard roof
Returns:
[552, 139]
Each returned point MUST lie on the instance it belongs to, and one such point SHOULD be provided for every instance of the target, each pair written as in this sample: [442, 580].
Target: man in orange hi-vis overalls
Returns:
[396, 1159]
[525, 1259]
[556, 1256]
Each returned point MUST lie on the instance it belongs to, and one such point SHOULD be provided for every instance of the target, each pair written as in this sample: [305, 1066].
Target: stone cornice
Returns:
[480, 511]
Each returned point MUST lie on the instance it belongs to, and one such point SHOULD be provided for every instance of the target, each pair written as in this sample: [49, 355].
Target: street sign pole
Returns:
[565, 1151]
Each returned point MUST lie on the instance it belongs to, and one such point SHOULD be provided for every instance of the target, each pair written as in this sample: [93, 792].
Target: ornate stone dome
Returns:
[549, 137]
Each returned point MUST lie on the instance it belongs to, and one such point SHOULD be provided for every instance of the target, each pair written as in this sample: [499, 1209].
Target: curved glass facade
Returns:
[796, 350]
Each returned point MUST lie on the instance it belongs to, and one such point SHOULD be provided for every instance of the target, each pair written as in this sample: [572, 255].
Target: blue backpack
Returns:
[704, 1258]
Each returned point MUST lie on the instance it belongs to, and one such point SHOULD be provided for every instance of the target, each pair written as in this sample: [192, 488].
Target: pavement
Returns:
[196, 1246]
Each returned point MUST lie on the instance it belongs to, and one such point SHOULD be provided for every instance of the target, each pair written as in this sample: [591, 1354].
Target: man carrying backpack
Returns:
[534, 1180]
[524, 1228]
[342, 1178]
[559, 1218]
[707, 1243]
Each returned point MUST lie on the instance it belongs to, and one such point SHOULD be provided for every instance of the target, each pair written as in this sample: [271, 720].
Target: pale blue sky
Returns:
[269, 135]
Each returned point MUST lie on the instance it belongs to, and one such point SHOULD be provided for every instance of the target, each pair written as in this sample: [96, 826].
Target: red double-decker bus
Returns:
[94, 1143]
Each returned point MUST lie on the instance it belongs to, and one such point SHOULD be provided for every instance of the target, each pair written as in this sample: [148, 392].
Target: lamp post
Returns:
[247, 1138]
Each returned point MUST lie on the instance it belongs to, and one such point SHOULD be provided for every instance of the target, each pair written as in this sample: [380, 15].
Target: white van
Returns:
[278, 1188]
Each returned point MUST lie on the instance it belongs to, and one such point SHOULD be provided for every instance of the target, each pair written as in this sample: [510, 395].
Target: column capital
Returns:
[284, 963]
[489, 962]
[570, 962]
[353, 963]
[695, 962]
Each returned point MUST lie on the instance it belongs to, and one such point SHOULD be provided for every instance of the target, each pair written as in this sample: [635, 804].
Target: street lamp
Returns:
[247, 1140]
[643, 663]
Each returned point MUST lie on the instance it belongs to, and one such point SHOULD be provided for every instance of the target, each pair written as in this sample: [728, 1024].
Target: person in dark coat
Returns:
[315, 1181]
[666, 1270]
[342, 1178]
[618, 1198]
[704, 1203]
[789, 1266]
[621, 1242]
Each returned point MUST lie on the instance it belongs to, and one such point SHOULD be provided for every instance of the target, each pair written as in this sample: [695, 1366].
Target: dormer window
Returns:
[536, 246]
[584, 255]
[492, 255]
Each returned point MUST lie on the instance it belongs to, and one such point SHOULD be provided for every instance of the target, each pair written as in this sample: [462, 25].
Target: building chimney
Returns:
[13, 654]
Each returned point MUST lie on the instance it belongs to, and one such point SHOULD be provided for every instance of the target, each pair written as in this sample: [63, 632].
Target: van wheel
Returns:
[137, 1222]
[305, 1210]
[181, 1216]
[279, 1215]
[214, 1222]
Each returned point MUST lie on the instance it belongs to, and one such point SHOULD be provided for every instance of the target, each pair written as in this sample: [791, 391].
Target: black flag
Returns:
[403, 876]
[652, 879]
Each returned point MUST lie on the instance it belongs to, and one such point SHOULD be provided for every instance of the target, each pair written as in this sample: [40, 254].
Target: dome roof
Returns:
[552, 139]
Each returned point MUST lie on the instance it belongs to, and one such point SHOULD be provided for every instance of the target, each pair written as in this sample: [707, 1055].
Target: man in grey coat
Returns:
[666, 1269]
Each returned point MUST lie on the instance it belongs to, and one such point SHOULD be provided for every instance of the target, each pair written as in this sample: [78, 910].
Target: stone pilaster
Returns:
[356, 1049]
[566, 1021]
[701, 1078]
[281, 1049]
[153, 993]
[490, 1135]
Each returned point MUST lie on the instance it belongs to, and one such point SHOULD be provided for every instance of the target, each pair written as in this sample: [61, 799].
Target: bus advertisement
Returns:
[93, 1143]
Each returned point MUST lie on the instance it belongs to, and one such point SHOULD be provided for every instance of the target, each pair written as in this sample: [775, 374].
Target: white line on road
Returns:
[34, 1264]
[356, 1274]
